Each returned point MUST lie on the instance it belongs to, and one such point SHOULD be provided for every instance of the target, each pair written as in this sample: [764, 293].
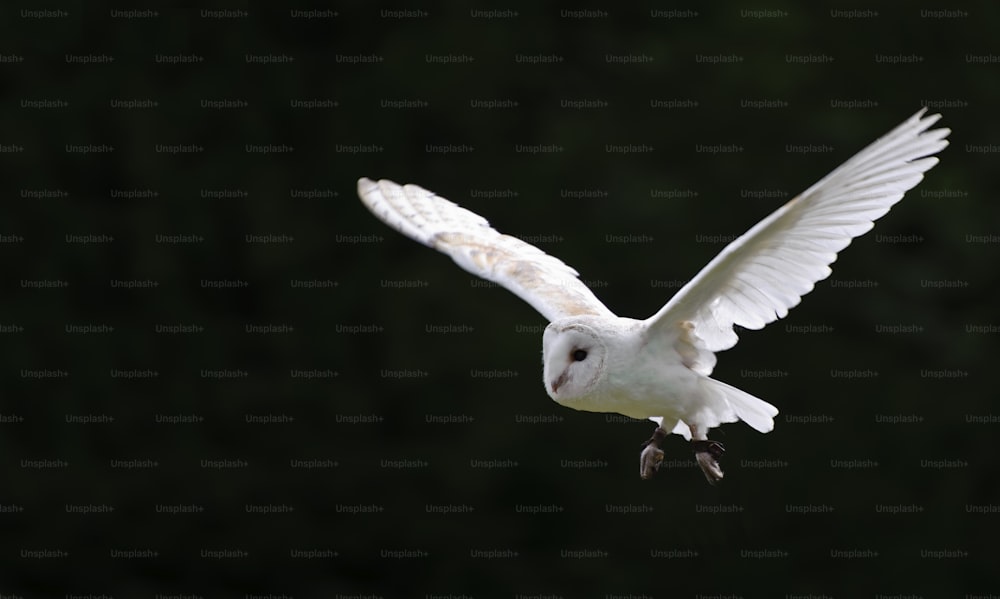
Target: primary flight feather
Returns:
[659, 368]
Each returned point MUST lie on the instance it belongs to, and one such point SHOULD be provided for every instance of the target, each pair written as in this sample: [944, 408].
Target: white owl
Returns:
[659, 368]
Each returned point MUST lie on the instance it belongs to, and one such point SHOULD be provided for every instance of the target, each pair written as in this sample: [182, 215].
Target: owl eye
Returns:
[580, 355]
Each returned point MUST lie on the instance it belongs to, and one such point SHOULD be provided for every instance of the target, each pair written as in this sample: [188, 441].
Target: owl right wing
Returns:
[758, 277]
[545, 282]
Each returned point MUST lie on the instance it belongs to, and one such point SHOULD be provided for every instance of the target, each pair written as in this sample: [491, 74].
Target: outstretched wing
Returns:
[545, 282]
[767, 270]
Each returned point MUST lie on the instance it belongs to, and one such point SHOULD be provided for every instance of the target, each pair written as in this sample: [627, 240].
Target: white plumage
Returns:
[544, 281]
[767, 270]
[659, 368]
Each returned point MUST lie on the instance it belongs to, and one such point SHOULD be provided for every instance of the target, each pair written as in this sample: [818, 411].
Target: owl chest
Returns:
[646, 383]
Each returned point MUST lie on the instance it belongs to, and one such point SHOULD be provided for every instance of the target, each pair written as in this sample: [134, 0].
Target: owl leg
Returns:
[707, 453]
[652, 455]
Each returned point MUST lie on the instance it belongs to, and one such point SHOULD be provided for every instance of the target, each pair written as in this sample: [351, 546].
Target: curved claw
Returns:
[649, 461]
[709, 466]
[652, 456]
[708, 453]
[658, 436]
[707, 446]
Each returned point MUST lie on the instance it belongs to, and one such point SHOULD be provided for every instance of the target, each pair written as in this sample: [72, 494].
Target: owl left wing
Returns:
[545, 282]
[763, 273]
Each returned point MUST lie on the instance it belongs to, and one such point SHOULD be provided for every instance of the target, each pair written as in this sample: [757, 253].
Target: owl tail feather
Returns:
[754, 411]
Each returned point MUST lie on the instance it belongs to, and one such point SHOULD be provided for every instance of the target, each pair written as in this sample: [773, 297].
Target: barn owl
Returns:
[658, 368]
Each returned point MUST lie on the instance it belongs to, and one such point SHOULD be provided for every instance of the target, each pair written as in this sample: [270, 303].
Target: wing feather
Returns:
[545, 282]
[763, 273]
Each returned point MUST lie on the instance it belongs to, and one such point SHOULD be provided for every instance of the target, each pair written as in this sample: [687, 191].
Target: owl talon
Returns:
[713, 447]
[658, 436]
[708, 453]
[649, 461]
[651, 456]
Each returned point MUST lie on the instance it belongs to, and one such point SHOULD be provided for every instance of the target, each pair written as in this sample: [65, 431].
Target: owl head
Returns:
[573, 355]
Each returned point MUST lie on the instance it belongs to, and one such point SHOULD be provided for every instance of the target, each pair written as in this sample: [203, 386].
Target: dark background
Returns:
[423, 458]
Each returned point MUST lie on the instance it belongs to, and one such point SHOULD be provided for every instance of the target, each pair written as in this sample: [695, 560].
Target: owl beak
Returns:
[558, 382]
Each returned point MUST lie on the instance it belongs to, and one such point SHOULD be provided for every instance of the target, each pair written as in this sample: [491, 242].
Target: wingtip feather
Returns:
[838, 208]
